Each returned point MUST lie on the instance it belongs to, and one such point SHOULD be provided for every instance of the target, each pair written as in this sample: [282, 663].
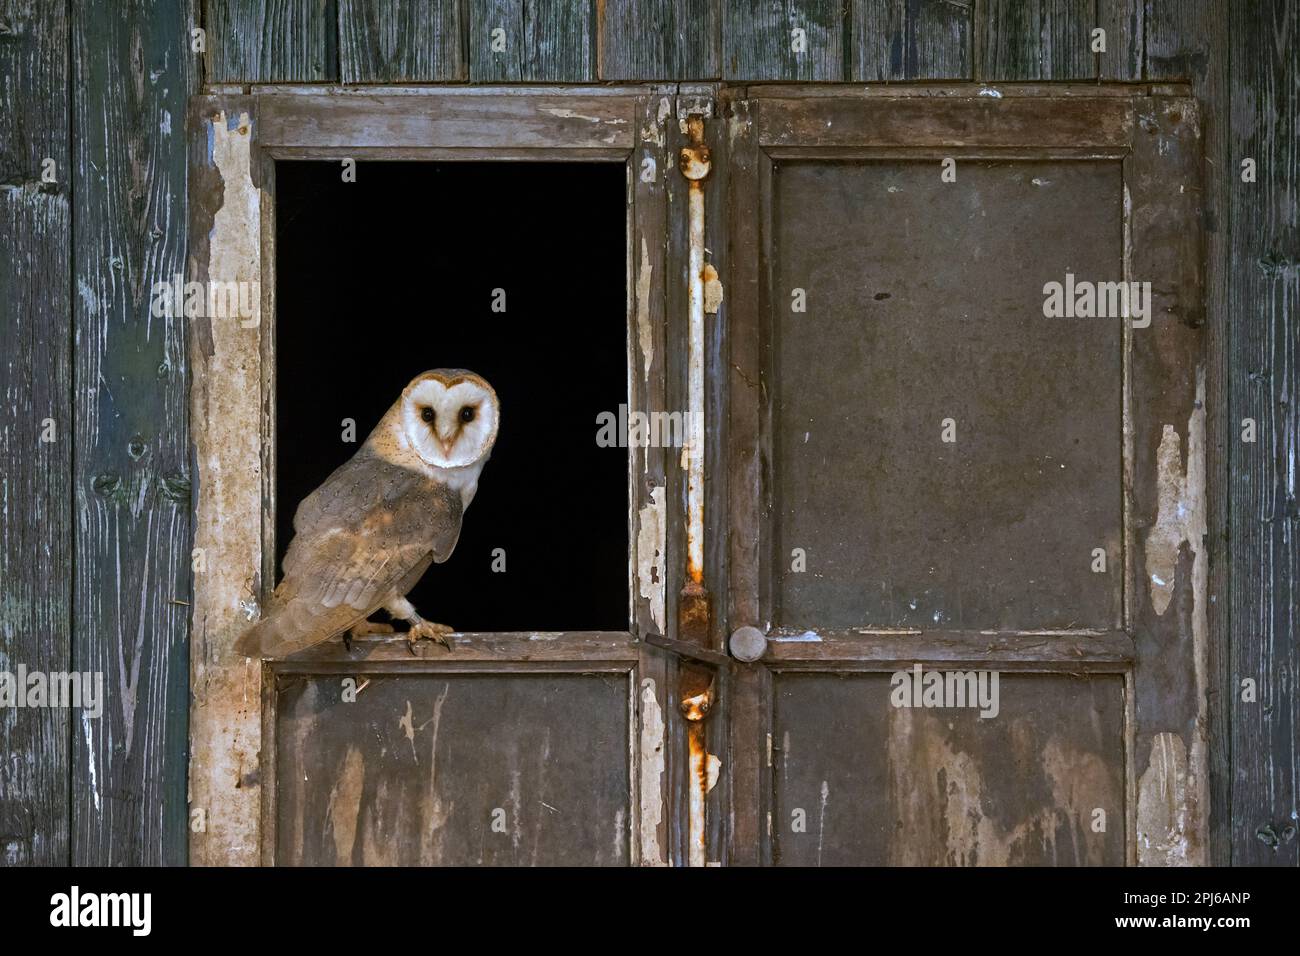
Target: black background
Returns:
[383, 278]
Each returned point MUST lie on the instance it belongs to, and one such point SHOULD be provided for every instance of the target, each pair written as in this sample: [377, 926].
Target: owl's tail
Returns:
[276, 636]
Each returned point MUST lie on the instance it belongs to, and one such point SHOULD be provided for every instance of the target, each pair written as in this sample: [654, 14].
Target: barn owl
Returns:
[367, 535]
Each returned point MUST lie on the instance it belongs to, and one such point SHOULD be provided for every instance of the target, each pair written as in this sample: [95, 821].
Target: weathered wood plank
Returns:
[784, 40]
[393, 41]
[657, 39]
[229, 209]
[513, 41]
[1189, 41]
[35, 401]
[912, 39]
[271, 41]
[1263, 346]
[1165, 471]
[1052, 39]
[132, 471]
[840, 122]
[454, 122]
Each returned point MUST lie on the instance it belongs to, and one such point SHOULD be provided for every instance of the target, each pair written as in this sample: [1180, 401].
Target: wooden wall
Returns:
[95, 526]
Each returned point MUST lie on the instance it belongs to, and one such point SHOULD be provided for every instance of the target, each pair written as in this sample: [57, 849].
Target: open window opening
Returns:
[516, 271]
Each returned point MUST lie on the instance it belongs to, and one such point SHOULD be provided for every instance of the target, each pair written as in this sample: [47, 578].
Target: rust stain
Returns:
[697, 700]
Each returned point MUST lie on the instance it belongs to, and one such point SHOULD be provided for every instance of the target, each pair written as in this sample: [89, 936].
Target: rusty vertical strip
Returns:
[697, 700]
[693, 610]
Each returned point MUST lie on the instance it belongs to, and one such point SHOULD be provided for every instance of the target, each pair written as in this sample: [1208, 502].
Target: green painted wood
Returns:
[1189, 42]
[396, 41]
[551, 41]
[658, 39]
[131, 473]
[1263, 347]
[912, 39]
[784, 40]
[35, 397]
[271, 41]
[1051, 39]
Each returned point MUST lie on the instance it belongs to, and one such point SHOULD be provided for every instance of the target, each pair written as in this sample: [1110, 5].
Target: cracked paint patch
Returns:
[1167, 806]
[712, 290]
[1180, 504]
[652, 771]
[650, 548]
[644, 332]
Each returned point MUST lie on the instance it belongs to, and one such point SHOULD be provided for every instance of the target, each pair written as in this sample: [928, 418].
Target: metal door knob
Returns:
[747, 643]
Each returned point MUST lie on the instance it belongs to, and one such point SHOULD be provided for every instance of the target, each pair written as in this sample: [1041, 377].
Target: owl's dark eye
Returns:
[467, 413]
[428, 414]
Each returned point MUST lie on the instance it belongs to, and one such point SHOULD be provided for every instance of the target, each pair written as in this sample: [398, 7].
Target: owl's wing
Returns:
[358, 536]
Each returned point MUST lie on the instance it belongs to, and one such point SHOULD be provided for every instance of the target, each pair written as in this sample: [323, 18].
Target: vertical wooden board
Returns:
[35, 397]
[271, 41]
[783, 40]
[1189, 41]
[538, 41]
[393, 41]
[912, 39]
[488, 769]
[1125, 24]
[230, 206]
[657, 39]
[1264, 385]
[1052, 39]
[861, 781]
[1165, 482]
[132, 76]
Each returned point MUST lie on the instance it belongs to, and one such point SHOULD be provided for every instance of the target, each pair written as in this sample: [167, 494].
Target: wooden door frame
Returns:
[235, 141]
[1154, 133]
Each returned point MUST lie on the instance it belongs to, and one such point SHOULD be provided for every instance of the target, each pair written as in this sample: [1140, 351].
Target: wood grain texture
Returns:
[395, 41]
[1263, 347]
[132, 468]
[784, 40]
[912, 39]
[544, 40]
[1051, 39]
[658, 39]
[271, 41]
[35, 389]
[1188, 41]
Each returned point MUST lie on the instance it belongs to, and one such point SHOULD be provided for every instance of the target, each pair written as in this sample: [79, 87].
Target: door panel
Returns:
[924, 305]
[859, 781]
[932, 480]
[468, 769]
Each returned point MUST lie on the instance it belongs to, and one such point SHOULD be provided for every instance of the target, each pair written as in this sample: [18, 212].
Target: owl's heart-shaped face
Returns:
[450, 418]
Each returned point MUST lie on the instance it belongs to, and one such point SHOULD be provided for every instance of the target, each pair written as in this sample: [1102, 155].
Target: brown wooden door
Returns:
[967, 530]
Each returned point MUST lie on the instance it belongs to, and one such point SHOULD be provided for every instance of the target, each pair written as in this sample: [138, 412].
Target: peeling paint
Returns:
[1166, 807]
[712, 290]
[652, 771]
[225, 718]
[650, 556]
[654, 132]
[644, 326]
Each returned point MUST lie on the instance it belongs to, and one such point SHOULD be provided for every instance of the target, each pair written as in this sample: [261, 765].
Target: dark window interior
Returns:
[380, 279]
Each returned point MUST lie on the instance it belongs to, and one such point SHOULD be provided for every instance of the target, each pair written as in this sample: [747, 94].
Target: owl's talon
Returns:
[429, 631]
